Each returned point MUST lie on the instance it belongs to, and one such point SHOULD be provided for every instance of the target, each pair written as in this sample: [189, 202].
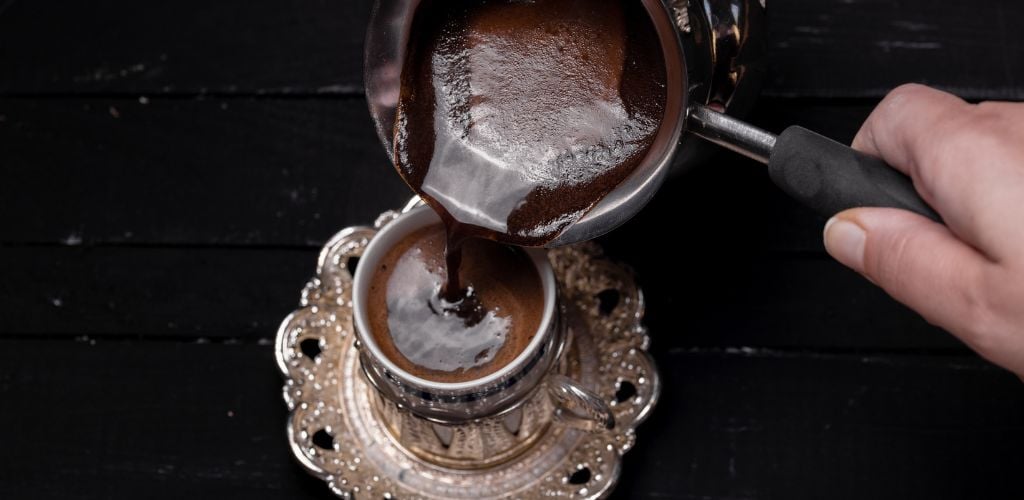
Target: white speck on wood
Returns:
[914, 26]
[811, 30]
[888, 45]
[72, 240]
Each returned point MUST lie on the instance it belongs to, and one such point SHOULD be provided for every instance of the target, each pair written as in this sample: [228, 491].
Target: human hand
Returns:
[967, 162]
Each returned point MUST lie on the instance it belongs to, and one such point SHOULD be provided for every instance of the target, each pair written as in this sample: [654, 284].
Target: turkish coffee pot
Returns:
[715, 60]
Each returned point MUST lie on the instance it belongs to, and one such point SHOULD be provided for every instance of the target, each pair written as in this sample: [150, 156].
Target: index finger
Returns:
[964, 159]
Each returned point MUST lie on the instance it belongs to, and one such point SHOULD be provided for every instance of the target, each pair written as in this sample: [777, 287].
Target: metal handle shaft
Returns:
[731, 133]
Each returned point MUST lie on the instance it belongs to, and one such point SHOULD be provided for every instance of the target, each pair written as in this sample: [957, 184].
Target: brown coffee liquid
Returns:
[432, 338]
[516, 117]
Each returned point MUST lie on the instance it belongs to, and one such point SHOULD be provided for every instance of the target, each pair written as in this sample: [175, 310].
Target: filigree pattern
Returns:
[336, 433]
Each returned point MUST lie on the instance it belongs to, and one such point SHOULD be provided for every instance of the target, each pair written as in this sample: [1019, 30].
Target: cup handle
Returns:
[578, 407]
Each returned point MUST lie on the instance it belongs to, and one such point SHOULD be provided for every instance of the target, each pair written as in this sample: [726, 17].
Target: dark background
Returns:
[169, 170]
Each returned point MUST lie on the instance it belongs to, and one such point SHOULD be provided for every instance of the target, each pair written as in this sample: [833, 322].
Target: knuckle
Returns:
[907, 91]
[897, 99]
[894, 103]
[953, 157]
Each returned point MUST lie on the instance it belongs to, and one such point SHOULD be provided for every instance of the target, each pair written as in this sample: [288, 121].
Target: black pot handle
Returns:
[830, 177]
[815, 170]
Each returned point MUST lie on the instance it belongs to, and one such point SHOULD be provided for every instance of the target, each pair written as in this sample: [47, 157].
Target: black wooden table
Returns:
[170, 169]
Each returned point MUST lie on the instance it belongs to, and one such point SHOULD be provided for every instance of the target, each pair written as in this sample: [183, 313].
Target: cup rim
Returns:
[382, 242]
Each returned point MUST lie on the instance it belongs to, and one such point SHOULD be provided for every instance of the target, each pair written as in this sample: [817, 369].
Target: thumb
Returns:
[917, 261]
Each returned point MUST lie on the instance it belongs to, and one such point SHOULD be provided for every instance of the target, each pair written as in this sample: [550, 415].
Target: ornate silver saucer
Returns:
[336, 435]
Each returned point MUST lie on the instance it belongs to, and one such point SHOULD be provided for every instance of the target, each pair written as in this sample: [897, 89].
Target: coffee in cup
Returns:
[486, 328]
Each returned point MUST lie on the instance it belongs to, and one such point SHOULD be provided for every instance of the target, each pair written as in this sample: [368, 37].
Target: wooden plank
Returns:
[292, 172]
[833, 48]
[184, 293]
[837, 427]
[696, 297]
[185, 47]
[168, 420]
[172, 171]
[144, 420]
[863, 48]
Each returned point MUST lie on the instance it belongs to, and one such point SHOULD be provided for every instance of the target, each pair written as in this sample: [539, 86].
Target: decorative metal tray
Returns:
[336, 436]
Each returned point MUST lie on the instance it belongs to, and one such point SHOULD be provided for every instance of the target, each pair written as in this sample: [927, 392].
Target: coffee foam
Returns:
[516, 118]
[408, 320]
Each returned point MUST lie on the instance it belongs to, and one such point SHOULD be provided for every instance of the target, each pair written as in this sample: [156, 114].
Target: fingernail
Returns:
[844, 241]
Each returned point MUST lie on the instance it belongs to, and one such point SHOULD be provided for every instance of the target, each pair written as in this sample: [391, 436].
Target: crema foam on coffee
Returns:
[516, 117]
[431, 338]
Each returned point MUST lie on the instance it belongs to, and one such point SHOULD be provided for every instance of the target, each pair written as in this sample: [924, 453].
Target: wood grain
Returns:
[150, 293]
[185, 47]
[764, 425]
[184, 171]
[823, 48]
[863, 48]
